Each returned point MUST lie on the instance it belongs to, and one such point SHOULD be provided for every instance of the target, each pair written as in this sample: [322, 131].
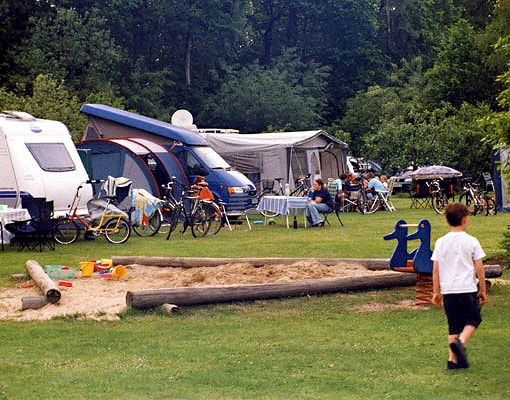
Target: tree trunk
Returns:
[186, 296]
[43, 281]
[191, 262]
[33, 302]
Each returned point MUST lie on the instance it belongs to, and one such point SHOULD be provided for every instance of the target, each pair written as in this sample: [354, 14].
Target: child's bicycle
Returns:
[104, 219]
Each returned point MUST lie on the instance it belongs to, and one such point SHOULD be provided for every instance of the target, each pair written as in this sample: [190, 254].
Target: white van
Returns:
[38, 159]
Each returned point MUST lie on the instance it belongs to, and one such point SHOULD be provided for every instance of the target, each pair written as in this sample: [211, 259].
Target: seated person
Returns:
[320, 202]
[200, 186]
[374, 185]
[384, 181]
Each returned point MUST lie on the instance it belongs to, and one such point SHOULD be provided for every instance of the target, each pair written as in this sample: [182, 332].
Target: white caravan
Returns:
[38, 159]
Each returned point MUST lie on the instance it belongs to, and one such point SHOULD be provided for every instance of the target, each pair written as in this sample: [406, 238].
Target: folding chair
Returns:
[232, 224]
[385, 196]
[333, 191]
[420, 197]
[39, 230]
[489, 184]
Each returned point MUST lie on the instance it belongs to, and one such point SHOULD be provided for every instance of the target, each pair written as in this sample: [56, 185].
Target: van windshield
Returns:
[52, 157]
[209, 157]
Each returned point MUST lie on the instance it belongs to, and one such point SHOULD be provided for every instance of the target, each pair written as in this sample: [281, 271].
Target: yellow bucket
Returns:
[106, 262]
[87, 268]
[119, 271]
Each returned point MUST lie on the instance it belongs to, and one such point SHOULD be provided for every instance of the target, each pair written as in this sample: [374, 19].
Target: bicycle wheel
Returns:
[491, 206]
[200, 223]
[152, 228]
[213, 212]
[373, 205]
[67, 230]
[469, 201]
[439, 202]
[117, 234]
[268, 213]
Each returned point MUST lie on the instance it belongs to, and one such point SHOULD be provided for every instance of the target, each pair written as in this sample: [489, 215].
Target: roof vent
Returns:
[23, 116]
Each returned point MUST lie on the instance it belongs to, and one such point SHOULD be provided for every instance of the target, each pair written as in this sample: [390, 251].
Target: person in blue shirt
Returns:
[374, 184]
[320, 202]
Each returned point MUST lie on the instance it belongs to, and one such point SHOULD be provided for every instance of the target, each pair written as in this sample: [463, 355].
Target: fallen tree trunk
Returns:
[493, 271]
[198, 295]
[43, 281]
[191, 262]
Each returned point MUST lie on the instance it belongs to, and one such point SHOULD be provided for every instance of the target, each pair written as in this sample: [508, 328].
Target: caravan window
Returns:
[52, 157]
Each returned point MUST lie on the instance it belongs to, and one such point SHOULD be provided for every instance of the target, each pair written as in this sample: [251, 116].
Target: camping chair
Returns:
[39, 230]
[420, 196]
[333, 191]
[385, 196]
[489, 184]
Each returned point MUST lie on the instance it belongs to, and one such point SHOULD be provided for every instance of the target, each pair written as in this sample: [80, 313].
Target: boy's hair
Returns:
[455, 212]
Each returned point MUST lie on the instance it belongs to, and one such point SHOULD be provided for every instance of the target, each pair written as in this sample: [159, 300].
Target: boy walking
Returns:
[457, 260]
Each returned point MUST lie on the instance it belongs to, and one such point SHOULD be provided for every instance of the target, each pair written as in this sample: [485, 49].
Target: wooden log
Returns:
[491, 270]
[191, 262]
[43, 281]
[33, 302]
[198, 295]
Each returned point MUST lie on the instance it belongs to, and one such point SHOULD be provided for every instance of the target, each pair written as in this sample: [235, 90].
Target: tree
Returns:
[74, 49]
[287, 96]
[459, 74]
[49, 100]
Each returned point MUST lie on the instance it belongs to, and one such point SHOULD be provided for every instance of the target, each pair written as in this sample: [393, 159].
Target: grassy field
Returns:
[366, 345]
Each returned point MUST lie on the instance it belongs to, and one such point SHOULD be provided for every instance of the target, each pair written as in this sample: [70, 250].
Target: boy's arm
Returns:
[480, 274]
[436, 296]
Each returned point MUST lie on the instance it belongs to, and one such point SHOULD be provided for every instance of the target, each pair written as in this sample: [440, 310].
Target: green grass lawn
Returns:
[363, 345]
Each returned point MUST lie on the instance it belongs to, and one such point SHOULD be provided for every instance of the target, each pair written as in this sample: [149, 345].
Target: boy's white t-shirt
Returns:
[455, 253]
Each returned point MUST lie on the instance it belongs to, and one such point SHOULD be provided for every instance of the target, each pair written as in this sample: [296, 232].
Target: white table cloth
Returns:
[285, 205]
[11, 215]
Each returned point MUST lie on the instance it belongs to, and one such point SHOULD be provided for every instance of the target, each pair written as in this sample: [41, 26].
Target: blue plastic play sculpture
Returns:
[420, 256]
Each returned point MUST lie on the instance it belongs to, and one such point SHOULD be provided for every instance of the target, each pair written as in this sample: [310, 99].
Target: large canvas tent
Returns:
[146, 163]
[288, 155]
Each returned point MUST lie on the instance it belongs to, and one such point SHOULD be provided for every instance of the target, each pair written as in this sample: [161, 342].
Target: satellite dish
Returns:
[182, 118]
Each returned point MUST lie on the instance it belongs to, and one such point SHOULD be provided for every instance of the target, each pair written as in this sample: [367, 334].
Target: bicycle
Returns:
[203, 216]
[117, 189]
[369, 201]
[268, 188]
[438, 197]
[473, 200]
[104, 219]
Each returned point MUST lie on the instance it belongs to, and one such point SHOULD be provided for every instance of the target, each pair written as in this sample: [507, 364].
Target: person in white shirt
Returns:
[457, 262]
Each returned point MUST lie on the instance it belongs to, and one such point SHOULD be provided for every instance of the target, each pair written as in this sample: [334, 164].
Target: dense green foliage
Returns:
[411, 81]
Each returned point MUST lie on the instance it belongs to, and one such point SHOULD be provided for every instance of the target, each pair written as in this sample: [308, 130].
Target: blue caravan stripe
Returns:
[165, 129]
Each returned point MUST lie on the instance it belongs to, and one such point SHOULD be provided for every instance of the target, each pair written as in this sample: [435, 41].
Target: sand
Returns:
[102, 298]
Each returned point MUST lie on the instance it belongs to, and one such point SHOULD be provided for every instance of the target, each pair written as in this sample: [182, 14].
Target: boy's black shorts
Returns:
[462, 309]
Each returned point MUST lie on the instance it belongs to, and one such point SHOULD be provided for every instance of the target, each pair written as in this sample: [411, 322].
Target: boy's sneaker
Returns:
[460, 351]
[452, 365]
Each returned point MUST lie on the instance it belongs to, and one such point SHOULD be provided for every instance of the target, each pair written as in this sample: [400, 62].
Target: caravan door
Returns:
[9, 193]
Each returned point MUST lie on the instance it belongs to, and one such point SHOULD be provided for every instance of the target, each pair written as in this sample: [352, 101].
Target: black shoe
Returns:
[460, 351]
[452, 365]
